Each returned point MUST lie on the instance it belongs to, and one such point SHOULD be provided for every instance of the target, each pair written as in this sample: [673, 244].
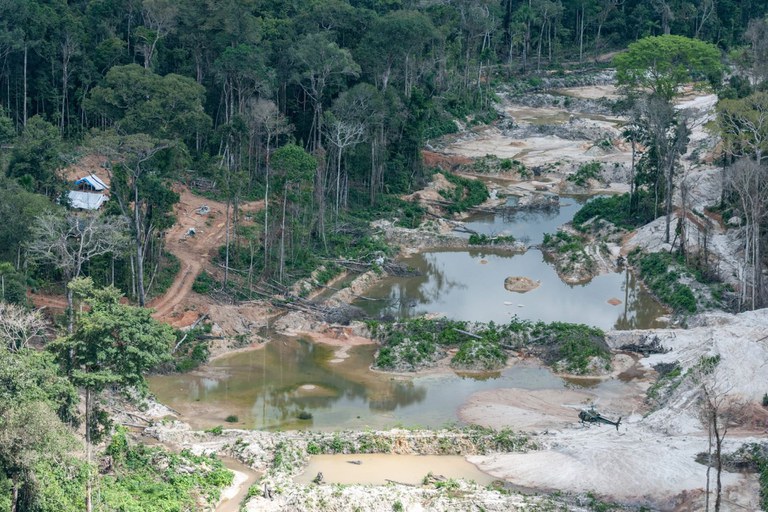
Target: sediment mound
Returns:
[520, 284]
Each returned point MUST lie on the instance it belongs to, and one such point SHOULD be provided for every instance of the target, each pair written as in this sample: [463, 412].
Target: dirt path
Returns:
[194, 239]
[54, 303]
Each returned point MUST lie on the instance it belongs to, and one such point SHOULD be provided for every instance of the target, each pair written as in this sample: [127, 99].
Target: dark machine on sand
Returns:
[592, 416]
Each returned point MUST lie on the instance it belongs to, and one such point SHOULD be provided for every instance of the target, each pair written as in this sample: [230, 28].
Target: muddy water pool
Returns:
[277, 385]
[270, 387]
[380, 469]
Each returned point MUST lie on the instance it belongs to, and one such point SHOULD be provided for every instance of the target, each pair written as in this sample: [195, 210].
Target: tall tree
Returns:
[112, 344]
[36, 157]
[19, 327]
[321, 65]
[294, 169]
[34, 399]
[139, 184]
[135, 100]
[662, 64]
[159, 20]
[748, 181]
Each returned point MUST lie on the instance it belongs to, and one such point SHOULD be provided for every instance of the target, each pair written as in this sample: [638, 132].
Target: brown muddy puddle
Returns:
[380, 469]
[288, 379]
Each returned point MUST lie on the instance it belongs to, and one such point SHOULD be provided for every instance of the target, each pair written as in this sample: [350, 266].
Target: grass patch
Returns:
[204, 283]
[563, 242]
[586, 172]
[419, 343]
[407, 213]
[166, 272]
[153, 479]
[573, 348]
[480, 354]
[492, 164]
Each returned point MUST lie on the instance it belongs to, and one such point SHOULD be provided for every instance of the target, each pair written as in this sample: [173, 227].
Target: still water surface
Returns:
[382, 468]
[269, 387]
[469, 285]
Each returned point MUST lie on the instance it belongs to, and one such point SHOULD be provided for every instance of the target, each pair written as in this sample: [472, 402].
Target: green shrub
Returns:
[217, 430]
[479, 354]
[147, 478]
[622, 211]
[586, 172]
[663, 282]
[232, 418]
[466, 194]
[203, 283]
[481, 239]
[574, 345]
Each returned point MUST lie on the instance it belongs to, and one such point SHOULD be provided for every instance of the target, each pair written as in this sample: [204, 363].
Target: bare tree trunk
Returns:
[266, 221]
[15, 496]
[718, 461]
[226, 237]
[140, 242]
[88, 481]
[24, 99]
[282, 234]
[581, 34]
[709, 463]
[70, 310]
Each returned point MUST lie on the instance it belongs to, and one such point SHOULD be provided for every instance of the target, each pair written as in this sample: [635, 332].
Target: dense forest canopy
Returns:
[166, 91]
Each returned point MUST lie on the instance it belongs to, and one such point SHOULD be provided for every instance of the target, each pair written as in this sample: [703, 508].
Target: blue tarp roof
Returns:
[93, 181]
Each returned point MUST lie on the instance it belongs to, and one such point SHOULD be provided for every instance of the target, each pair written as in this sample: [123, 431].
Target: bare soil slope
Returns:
[195, 251]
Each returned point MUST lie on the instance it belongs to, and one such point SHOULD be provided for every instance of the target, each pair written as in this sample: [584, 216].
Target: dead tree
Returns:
[748, 179]
[68, 242]
[18, 327]
[718, 411]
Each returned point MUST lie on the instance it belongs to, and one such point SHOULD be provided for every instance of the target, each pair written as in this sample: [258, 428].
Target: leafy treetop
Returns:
[663, 63]
[112, 343]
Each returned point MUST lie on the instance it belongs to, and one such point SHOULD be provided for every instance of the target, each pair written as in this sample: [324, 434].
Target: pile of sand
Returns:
[520, 284]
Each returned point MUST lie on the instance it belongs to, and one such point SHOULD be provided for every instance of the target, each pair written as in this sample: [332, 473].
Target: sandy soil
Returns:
[633, 465]
[341, 338]
[520, 284]
[53, 304]
[534, 151]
